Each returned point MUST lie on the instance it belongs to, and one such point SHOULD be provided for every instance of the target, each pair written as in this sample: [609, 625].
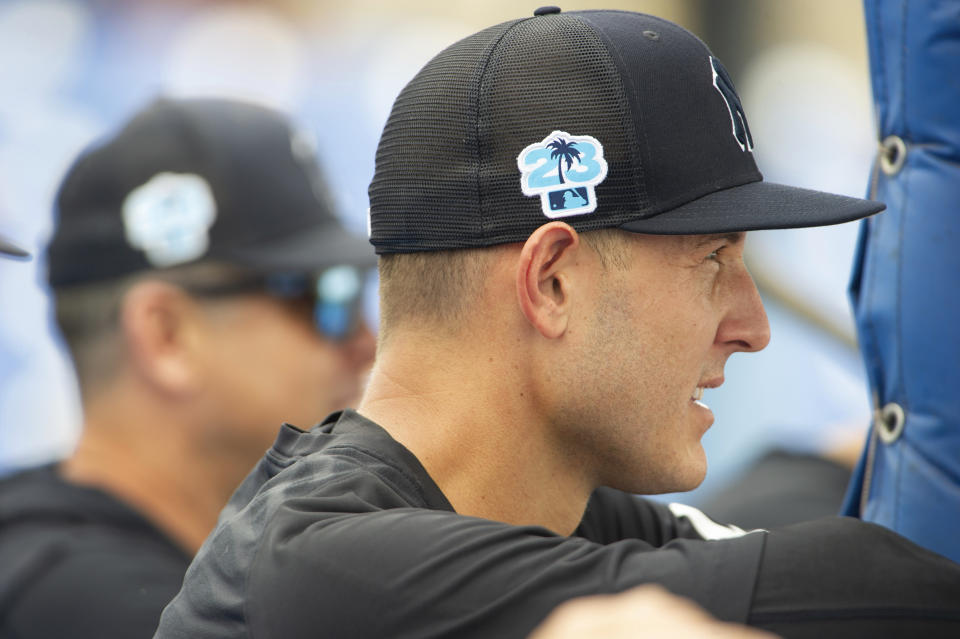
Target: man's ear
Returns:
[543, 284]
[158, 324]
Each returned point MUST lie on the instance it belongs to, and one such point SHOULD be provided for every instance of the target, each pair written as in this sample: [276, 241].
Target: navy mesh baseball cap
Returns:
[602, 119]
[190, 180]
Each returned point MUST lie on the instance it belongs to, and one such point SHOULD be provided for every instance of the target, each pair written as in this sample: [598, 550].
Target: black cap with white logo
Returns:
[598, 118]
[198, 179]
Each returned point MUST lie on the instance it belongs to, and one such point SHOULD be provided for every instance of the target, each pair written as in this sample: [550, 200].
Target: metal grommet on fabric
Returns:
[893, 153]
[546, 11]
[891, 423]
[651, 35]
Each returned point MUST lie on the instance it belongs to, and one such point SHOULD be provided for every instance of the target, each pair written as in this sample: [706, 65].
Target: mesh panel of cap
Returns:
[547, 75]
[447, 172]
[426, 177]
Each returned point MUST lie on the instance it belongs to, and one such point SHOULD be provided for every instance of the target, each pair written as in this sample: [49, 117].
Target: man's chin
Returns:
[690, 479]
[691, 476]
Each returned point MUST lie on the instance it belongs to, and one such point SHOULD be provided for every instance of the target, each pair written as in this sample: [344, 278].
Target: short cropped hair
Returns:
[436, 287]
[88, 316]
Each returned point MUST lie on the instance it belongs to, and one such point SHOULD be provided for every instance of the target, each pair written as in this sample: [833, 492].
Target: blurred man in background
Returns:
[207, 293]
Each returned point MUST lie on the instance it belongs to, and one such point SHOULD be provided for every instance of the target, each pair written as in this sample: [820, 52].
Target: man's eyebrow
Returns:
[732, 238]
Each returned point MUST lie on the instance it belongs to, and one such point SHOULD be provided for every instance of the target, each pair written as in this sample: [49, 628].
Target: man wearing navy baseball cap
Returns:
[560, 206]
[206, 292]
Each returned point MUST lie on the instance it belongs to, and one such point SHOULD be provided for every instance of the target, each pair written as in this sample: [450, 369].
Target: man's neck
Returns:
[148, 465]
[477, 432]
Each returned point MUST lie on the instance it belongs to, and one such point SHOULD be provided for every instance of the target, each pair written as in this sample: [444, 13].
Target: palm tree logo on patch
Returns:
[563, 169]
[563, 150]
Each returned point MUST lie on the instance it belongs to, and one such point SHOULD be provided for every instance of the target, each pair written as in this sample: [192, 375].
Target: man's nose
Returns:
[745, 327]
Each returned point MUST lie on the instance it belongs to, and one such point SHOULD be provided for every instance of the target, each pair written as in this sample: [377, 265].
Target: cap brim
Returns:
[9, 248]
[753, 207]
[311, 250]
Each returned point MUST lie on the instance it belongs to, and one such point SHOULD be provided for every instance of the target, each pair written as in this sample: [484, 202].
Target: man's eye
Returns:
[714, 255]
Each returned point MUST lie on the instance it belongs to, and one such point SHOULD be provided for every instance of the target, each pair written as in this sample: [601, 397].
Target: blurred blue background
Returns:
[72, 70]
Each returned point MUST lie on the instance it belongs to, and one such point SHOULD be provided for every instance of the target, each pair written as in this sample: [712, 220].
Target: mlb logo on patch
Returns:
[569, 199]
[563, 169]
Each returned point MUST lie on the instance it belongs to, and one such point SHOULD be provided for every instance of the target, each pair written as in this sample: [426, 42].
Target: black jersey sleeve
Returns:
[613, 515]
[420, 573]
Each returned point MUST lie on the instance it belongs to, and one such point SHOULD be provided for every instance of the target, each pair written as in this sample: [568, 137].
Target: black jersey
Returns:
[341, 532]
[76, 562]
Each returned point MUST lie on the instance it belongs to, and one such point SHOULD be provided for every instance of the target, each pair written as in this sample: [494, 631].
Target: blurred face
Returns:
[268, 364]
[660, 335]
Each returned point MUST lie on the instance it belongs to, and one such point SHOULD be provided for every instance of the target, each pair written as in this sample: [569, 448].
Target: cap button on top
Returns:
[545, 11]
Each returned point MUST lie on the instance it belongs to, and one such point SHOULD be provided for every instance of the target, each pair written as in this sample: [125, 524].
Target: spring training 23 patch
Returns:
[563, 170]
